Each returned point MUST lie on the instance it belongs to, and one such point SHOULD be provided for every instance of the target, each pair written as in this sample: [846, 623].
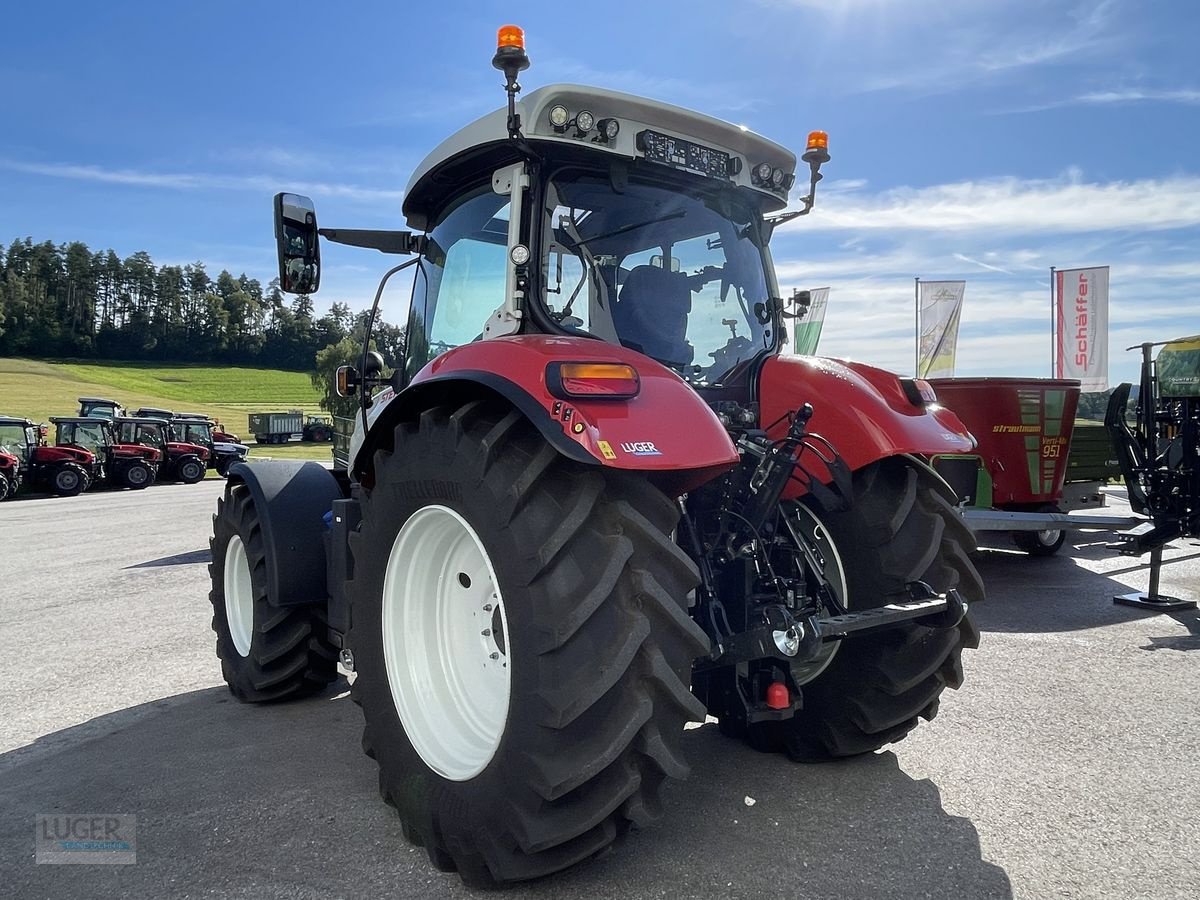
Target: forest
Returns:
[68, 301]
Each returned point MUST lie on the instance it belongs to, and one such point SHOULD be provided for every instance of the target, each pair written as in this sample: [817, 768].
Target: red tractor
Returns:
[594, 501]
[181, 461]
[60, 470]
[104, 459]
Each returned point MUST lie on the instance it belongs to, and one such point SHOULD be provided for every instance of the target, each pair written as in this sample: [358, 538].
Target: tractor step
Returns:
[935, 610]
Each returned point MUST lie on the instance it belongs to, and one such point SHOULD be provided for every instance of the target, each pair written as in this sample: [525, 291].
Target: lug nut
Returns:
[493, 656]
[487, 632]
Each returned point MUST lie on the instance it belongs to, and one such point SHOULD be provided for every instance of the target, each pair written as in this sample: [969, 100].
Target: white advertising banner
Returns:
[1081, 301]
[808, 329]
[939, 307]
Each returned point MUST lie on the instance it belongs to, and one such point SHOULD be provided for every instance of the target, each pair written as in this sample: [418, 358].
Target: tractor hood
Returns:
[179, 448]
[63, 454]
[230, 447]
[149, 454]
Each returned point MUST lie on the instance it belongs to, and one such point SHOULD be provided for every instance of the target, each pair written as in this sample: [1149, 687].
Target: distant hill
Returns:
[39, 389]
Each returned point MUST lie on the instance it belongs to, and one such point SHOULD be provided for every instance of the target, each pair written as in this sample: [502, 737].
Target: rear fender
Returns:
[666, 431]
[862, 411]
[291, 498]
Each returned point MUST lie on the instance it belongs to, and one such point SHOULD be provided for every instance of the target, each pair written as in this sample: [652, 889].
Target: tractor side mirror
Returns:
[297, 245]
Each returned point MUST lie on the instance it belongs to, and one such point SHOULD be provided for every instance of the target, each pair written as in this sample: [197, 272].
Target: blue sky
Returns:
[971, 139]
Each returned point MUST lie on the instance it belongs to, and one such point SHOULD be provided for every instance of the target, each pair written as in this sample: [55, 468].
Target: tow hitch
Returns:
[799, 638]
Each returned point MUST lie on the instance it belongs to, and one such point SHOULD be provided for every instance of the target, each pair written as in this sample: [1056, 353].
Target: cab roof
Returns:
[16, 420]
[485, 143]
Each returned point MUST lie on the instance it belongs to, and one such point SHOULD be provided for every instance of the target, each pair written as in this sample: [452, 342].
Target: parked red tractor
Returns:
[593, 502]
[181, 461]
[102, 456]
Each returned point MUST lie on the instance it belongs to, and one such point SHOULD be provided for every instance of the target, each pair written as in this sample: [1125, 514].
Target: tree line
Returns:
[66, 300]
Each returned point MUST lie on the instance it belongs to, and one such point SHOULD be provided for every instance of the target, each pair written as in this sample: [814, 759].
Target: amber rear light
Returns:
[592, 380]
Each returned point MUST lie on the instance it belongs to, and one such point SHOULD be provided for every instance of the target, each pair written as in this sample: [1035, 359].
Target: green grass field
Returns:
[39, 389]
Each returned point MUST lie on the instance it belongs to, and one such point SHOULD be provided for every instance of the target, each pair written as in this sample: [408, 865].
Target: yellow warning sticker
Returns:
[606, 449]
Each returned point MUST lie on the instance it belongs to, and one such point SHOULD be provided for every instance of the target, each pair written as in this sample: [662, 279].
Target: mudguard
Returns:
[667, 430]
[291, 498]
[862, 411]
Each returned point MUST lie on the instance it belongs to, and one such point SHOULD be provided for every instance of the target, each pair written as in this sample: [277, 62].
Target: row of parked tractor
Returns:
[105, 445]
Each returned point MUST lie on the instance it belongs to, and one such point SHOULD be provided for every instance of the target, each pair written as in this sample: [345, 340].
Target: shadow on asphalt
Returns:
[279, 801]
[1030, 594]
[179, 559]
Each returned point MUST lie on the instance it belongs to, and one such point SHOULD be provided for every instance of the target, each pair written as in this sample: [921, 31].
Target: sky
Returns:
[986, 140]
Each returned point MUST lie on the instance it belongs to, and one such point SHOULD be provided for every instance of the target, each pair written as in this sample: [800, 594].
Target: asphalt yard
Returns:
[1065, 767]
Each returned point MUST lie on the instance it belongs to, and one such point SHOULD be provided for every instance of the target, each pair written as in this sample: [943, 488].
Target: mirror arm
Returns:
[399, 242]
[773, 222]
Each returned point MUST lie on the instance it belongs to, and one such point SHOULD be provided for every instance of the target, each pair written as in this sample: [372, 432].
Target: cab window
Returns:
[461, 278]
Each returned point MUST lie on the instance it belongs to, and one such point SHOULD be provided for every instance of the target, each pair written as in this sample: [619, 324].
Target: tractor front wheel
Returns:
[267, 652]
[521, 644]
[69, 480]
[7, 488]
[189, 470]
[137, 475]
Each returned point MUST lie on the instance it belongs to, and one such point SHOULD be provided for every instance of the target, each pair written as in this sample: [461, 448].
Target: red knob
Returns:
[777, 695]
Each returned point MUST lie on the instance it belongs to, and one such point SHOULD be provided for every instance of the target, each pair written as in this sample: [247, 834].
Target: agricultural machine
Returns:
[65, 471]
[1033, 468]
[198, 429]
[593, 501]
[1159, 455]
[103, 458]
[181, 461]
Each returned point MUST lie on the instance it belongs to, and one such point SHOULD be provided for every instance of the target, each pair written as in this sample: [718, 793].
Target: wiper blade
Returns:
[633, 227]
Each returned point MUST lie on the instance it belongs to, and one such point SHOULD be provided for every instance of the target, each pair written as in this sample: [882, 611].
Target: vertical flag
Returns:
[808, 329]
[939, 306]
[1081, 310]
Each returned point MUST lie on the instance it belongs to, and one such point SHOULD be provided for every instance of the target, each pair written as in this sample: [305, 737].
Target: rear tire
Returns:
[189, 469]
[899, 528]
[69, 480]
[597, 642]
[267, 652]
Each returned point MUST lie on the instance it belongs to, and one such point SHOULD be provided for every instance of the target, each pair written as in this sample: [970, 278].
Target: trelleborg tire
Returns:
[267, 652]
[541, 604]
[900, 527]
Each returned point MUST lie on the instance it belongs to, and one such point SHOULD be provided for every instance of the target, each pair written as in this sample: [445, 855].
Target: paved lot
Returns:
[1066, 767]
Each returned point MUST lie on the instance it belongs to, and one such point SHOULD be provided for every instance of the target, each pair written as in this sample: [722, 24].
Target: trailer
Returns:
[276, 427]
[1025, 476]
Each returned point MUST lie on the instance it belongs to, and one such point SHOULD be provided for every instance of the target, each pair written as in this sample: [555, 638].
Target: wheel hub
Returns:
[239, 596]
[445, 643]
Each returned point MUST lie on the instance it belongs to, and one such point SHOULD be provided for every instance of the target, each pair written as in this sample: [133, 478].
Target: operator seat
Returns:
[651, 314]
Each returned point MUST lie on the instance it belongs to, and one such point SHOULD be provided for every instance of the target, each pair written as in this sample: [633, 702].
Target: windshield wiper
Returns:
[633, 227]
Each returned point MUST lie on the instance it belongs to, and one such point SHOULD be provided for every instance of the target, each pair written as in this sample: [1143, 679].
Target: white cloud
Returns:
[1013, 205]
[186, 181]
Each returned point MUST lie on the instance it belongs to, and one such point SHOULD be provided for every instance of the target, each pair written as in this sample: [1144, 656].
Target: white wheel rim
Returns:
[835, 573]
[137, 475]
[67, 480]
[446, 643]
[239, 596]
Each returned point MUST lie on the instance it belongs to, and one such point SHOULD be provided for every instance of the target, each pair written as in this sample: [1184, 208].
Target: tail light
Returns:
[592, 381]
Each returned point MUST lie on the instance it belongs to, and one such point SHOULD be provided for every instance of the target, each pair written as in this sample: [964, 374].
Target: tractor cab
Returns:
[100, 408]
[19, 438]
